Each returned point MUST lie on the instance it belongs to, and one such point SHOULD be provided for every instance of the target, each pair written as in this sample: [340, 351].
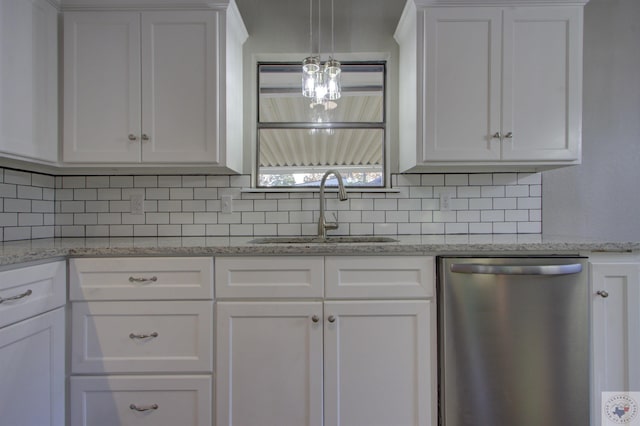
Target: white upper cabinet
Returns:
[151, 87]
[490, 87]
[29, 80]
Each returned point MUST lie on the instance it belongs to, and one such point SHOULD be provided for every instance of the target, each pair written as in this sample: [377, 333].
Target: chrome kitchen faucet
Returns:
[342, 195]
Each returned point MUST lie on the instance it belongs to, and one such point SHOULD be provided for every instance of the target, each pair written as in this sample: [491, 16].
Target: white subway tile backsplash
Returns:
[8, 191]
[396, 216]
[493, 191]
[29, 192]
[181, 193]
[481, 203]
[505, 178]
[17, 177]
[8, 219]
[43, 181]
[385, 204]
[17, 205]
[456, 228]
[432, 228]
[73, 182]
[492, 215]
[480, 228]
[218, 181]
[456, 180]
[529, 178]
[530, 203]
[504, 203]
[432, 180]
[97, 182]
[189, 205]
[505, 228]
[194, 181]
[17, 233]
[110, 194]
[421, 216]
[169, 181]
[259, 217]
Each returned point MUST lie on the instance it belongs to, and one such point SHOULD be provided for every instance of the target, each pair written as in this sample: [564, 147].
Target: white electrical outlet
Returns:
[226, 202]
[445, 202]
[137, 203]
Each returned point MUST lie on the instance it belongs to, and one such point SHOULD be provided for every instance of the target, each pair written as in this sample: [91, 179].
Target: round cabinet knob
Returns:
[509, 135]
[315, 318]
[496, 135]
[145, 137]
[133, 137]
[602, 293]
[331, 319]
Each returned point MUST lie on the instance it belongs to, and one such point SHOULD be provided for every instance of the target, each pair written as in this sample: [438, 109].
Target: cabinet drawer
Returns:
[383, 277]
[29, 291]
[167, 401]
[109, 337]
[272, 277]
[150, 278]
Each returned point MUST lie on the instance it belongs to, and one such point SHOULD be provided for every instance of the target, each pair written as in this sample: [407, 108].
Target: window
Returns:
[299, 140]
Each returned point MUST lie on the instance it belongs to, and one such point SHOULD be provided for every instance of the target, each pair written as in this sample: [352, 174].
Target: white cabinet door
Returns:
[380, 363]
[179, 91]
[32, 372]
[29, 79]
[462, 84]
[269, 364]
[494, 86]
[615, 330]
[542, 83]
[149, 87]
[101, 87]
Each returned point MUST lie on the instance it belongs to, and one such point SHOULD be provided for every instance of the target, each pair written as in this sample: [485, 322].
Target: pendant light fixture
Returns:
[320, 82]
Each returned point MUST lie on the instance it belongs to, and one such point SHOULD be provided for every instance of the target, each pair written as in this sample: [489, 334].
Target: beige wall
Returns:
[601, 197]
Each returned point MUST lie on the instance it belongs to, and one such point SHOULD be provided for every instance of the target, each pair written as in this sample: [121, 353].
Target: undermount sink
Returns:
[328, 240]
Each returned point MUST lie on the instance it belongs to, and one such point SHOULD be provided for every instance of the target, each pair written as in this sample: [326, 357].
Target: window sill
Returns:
[317, 189]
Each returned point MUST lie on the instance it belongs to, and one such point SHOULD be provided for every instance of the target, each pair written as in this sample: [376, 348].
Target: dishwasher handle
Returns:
[476, 268]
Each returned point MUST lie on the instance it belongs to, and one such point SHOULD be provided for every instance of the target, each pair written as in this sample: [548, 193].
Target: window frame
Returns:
[381, 125]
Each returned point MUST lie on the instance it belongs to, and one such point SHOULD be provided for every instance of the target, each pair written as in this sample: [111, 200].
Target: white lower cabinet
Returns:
[328, 362]
[32, 345]
[615, 285]
[141, 401]
[378, 363]
[138, 358]
[269, 363]
[32, 372]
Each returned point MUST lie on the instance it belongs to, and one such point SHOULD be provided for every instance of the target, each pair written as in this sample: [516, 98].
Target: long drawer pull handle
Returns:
[474, 268]
[19, 296]
[142, 279]
[143, 336]
[147, 408]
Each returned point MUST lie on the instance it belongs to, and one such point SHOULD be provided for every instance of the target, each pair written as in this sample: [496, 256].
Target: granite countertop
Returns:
[525, 244]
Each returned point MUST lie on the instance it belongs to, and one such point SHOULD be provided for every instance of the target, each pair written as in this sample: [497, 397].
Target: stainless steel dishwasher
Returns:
[513, 335]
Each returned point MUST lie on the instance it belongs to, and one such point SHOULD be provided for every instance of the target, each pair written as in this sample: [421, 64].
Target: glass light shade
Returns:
[311, 65]
[308, 85]
[332, 79]
[320, 87]
[310, 68]
[332, 68]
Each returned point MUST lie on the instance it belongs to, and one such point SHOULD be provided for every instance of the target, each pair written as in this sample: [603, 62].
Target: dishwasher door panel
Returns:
[514, 349]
